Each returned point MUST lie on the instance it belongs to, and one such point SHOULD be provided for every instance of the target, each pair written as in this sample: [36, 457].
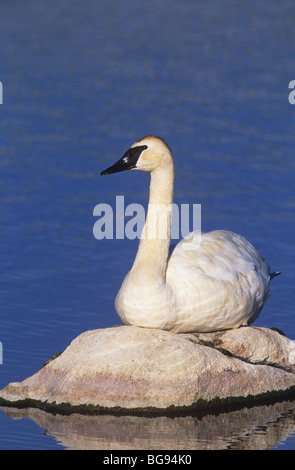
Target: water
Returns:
[81, 83]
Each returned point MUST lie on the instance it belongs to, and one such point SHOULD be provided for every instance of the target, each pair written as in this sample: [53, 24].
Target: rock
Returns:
[130, 369]
[253, 345]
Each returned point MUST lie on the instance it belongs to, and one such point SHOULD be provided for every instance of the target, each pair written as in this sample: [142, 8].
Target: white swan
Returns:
[219, 284]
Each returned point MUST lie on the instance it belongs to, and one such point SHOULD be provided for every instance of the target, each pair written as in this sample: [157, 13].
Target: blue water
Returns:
[81, 82]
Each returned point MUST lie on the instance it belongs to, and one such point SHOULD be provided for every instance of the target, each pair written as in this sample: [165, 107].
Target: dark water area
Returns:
[81, 82]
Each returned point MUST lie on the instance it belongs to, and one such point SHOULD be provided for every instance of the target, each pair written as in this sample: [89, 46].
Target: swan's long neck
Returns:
[152, 255]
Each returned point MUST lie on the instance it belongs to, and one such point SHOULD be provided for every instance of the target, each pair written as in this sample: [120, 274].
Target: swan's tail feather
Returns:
[272, 275]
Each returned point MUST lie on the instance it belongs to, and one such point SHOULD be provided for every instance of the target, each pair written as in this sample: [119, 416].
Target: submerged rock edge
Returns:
[199, 409]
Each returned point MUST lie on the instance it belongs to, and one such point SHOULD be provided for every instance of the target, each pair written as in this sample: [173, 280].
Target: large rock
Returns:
[131, 369]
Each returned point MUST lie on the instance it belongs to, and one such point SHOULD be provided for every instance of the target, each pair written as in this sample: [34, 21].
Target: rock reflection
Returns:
[261, 428]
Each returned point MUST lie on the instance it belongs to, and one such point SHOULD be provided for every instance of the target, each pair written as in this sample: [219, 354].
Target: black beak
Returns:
[127, 162]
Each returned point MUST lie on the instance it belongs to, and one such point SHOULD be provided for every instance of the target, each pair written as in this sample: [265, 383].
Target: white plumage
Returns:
[217, 284]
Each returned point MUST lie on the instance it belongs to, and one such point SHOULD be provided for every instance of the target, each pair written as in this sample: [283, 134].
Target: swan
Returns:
[219, 283]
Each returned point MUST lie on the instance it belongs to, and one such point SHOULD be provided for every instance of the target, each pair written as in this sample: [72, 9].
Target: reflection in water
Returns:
[257, 428]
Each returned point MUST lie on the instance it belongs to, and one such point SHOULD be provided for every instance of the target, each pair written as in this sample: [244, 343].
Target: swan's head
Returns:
[146, 154]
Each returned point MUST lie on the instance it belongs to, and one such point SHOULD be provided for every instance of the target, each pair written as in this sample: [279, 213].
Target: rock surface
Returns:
[131, 369]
